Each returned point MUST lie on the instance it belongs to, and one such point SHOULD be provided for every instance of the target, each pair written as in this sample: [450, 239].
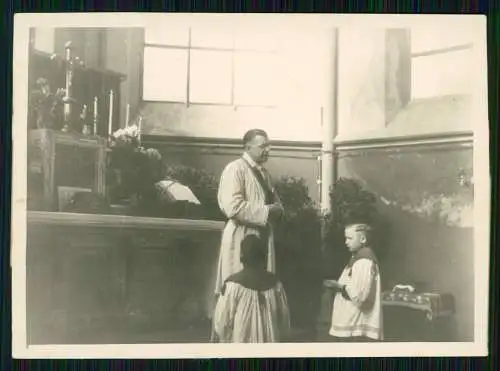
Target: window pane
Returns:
[256, 80]
[210, 77]
[441, 74]
[437, 37]
[175, 35]
[255, 39]
[44, 39]
[165, 74]
[212, 37]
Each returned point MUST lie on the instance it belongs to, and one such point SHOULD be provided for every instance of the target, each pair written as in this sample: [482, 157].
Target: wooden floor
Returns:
[199, 333]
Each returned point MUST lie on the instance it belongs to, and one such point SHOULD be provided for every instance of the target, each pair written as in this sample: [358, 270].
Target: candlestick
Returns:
[68, 99]
[110, 120]
[127, 116]
[84, 112]
[87, 127]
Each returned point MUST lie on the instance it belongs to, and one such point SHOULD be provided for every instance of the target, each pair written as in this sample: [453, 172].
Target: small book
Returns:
[175, 191]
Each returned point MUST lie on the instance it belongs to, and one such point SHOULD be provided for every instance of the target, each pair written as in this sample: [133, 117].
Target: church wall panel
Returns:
[426, 200]
[298, 159]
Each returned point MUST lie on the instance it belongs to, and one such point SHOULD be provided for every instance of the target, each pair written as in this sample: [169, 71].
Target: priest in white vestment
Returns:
[247, 197]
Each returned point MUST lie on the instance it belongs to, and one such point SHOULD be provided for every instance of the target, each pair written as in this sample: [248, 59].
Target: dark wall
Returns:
[426, 199]
[292, 159]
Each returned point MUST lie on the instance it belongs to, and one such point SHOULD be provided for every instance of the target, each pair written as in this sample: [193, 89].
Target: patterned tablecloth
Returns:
[434, 304]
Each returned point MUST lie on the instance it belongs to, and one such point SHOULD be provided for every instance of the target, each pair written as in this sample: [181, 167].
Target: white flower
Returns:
[128, 132]
[132, 131]
[118, 133]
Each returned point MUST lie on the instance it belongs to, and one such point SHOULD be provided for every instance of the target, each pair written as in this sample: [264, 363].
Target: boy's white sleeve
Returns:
[363, 275]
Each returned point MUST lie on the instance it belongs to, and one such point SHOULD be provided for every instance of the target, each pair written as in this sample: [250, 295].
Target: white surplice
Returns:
[242, 199]
[361, 314]
[243, 315]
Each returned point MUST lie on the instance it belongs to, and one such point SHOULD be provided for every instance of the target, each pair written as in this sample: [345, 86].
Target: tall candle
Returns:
[95, 115]
[110, 120]
[95, 107]
[139, 128]
[127, 116]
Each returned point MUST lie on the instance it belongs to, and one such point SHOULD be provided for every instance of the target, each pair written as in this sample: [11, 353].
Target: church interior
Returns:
[374, 117]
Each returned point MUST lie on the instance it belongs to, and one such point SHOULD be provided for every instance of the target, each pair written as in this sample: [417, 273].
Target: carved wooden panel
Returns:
[61, 159]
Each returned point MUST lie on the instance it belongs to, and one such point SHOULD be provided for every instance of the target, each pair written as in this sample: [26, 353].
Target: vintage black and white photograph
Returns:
[249, 185]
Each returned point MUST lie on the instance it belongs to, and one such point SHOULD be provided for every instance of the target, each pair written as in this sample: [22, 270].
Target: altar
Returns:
[105, 260]
[95, 278]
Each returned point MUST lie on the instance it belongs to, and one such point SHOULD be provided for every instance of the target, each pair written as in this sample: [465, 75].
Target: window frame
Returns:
[435, 52]
[233, 50]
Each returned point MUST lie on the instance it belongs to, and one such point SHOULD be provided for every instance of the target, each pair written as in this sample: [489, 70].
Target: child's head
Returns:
[253, 252]
[357, 236]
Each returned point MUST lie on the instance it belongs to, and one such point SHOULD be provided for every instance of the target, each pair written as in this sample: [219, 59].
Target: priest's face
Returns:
[259, 149]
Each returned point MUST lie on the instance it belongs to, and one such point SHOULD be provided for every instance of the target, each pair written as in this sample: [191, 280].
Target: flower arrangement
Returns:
[133, 169]
[45, 107]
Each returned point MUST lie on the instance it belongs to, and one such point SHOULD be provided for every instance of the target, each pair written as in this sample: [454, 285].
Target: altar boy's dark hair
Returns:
[253, 251]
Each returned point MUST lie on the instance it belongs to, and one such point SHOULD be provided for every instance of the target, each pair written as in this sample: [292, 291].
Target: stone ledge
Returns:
[120, 221]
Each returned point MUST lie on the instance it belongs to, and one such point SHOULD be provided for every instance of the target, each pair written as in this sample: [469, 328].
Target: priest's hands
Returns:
[333, 284]
[275, 212]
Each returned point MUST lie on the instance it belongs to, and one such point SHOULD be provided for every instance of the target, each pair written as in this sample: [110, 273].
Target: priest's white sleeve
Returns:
[361, 284]
[232, 201]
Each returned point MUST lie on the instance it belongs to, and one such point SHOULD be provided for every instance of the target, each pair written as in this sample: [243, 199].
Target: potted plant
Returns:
[45, 107]
[132, 169]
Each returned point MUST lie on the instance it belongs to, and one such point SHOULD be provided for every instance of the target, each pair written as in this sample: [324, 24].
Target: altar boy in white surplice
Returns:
[357, 312]
[248, 199]
[252, 306]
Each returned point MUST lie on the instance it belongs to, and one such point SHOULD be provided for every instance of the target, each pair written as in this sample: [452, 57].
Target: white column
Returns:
[328, 120]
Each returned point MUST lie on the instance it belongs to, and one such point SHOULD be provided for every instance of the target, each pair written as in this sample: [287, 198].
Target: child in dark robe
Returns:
[252, 307]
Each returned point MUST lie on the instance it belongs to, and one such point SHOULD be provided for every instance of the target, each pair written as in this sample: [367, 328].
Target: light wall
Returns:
[405, 82]
[303, 90]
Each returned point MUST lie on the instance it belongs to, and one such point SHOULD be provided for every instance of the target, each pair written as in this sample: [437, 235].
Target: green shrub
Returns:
[298, 250]
[349, 203]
